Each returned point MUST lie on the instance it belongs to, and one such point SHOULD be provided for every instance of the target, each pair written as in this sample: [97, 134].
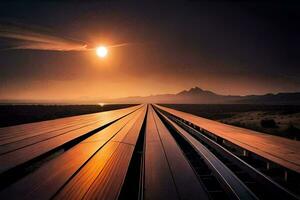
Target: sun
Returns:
[101, 51]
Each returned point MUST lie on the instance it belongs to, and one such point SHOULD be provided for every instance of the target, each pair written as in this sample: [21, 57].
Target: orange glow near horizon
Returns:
[101, 51]
[136, 70]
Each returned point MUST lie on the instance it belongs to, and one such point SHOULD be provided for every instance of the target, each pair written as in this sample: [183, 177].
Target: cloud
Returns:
[36, 38]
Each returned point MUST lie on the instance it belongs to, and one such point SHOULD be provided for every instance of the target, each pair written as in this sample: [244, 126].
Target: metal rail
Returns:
[231, 183]
[262, 186]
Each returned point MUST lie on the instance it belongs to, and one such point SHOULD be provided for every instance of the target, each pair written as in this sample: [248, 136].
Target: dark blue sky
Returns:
[225, 46]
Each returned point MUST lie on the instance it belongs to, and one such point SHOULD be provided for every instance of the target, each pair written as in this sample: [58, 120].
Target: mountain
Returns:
[280, 98]
[197, 95]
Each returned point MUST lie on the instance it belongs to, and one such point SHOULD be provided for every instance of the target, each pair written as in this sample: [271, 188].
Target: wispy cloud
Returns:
[37, 38]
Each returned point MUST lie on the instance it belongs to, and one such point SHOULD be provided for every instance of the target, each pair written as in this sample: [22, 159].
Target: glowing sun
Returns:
[101, 51]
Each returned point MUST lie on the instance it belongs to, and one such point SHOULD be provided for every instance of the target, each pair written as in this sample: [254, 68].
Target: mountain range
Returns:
[197, 95]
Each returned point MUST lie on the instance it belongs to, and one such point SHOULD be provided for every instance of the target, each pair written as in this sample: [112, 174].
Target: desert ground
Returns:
[280, 120]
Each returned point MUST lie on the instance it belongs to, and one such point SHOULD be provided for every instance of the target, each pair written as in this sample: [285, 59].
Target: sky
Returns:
[228, 47]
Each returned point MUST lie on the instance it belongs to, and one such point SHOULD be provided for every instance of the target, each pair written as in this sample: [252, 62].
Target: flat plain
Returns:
[280, 120]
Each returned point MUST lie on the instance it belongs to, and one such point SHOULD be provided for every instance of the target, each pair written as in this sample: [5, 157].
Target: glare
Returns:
[101, 104]
[101, 51]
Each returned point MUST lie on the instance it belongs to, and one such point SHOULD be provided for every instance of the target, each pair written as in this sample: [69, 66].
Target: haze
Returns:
[226, 47]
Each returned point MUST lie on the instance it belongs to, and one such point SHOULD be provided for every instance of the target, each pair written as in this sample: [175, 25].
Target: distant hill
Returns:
[197, 95]
[194, 95]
